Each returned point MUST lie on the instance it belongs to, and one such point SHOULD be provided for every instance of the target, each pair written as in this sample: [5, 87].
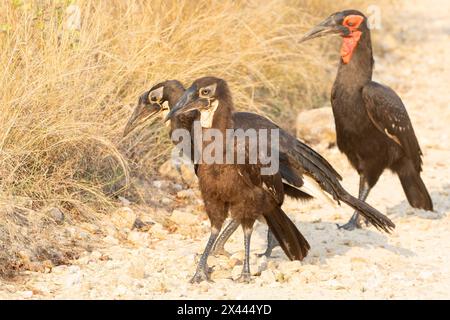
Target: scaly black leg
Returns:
[219, 246]
[245, 275]
[355, 220]
[272, 243]
[202, 268]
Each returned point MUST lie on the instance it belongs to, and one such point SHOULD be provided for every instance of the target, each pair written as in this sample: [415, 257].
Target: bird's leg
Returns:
[355, 220]
[202, 268]
[272, 243]
[245, 275]
[219, 246]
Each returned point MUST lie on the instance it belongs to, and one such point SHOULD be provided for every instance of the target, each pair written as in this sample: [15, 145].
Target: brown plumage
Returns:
[373, 128]
[237, 189]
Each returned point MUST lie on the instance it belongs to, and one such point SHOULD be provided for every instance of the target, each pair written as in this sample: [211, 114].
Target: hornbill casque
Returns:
[373, 128]
[305, 173]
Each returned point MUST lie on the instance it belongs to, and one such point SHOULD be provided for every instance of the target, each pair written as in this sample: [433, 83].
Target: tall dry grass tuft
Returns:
[72, 71]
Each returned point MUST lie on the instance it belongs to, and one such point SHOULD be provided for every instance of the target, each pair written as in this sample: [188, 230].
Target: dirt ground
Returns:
[413, 262]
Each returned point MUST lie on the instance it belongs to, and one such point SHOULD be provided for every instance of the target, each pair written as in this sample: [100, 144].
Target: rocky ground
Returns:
[151, 252]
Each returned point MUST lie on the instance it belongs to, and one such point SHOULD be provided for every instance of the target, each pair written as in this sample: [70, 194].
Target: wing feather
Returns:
[389, 115]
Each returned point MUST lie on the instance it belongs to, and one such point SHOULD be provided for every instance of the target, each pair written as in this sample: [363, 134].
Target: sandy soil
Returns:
[413, 262]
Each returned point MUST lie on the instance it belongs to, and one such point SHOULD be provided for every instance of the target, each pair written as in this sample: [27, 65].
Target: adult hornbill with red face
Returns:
[305, 173]
[373, 128]
[241, 190]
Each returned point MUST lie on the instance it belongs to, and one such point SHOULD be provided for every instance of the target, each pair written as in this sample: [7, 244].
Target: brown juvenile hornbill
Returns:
[373, 128]
[247, 194]
[238, 189]
[158, 100]
[305, 173]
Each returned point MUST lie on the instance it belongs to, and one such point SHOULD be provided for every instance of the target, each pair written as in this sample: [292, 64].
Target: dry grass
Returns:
[65, 93]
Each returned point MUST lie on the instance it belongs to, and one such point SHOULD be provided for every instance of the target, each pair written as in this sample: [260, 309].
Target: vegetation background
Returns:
[71, 75]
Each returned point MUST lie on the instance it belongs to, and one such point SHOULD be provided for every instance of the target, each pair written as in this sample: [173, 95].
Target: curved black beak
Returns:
[143, 111]
[326, 27]
[184, 104]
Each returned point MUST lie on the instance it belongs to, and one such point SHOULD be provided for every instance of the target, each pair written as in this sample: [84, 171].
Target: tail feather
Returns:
[296, 193]
[376, 218]
[291, 240]
[415, 190]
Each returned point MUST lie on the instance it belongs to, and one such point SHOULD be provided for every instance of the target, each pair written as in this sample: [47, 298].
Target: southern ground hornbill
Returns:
[242, 190]
[373, 128]
[305, 173]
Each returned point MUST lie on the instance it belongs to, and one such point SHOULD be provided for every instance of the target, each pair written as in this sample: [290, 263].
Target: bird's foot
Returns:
[200, 276]
[266, 254]
[245, 277]
[350, 226]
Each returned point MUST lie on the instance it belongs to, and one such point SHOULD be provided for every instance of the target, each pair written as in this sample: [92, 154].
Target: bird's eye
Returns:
[153, 99]
[205, 92]
[350, 24]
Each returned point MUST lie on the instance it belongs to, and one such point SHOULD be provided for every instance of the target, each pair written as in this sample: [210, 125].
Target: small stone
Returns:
[238, 255]
[232, 262]
[281, 277]
[140, 238]
[57, 215]
[125, 202]
[177, 187]
[184, 218]
[267, 276]
[142, 225]
[160, 184]
[204, 286]
[236, 272]
[166, 201]
[123, 218]
[82, 235]
[25, 257]
[260, 266]
[214, 261]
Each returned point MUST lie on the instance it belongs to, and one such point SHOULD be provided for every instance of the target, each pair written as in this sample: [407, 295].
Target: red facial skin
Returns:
[352, 22]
